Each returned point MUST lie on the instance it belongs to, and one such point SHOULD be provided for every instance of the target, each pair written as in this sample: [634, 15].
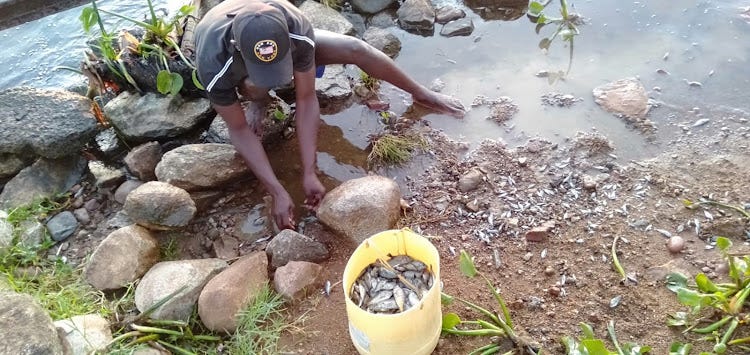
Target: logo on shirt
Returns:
[266, 50]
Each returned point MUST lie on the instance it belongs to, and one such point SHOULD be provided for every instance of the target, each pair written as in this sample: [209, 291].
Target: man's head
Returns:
[262, 36]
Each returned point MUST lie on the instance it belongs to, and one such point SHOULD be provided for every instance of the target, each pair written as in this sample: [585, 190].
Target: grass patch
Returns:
[260, 325]
[169, 249]
[334, 4]
[56, 285]
[391, 149]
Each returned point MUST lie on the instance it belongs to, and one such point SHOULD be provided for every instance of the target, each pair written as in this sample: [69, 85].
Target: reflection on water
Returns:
[704, 40]
[505, 10]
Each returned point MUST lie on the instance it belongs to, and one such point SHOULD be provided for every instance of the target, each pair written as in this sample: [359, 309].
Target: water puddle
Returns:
[693, 40]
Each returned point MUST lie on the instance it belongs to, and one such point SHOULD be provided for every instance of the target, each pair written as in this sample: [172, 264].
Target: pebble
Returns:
[528, 256]
[549, 271]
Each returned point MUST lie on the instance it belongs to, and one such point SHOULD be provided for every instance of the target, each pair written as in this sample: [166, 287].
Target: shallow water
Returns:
[621, 39]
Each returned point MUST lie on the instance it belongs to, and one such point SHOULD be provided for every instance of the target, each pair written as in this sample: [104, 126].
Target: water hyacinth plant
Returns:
[566, 27]
[157, 41]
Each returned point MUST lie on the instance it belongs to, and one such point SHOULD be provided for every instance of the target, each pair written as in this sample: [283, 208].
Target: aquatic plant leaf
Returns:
[588, 332]
[678, 348]
[451, 320]
[535, 8]
[572, 347]
[692, 298]
[466, 264]
[163, 82]
[88, 18]
[595, 347]
[676, 281]
[723, 243]
[176, 83]
[446, 299]
[704, 284]
[677, 319]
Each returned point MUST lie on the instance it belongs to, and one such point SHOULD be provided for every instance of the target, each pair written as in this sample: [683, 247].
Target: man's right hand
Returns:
[283, 210]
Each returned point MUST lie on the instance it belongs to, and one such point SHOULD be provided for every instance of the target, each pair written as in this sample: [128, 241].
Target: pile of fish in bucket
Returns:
[391, 288]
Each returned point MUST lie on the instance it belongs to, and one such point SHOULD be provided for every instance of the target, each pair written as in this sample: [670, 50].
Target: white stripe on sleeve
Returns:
[302, 38]
[220, 74]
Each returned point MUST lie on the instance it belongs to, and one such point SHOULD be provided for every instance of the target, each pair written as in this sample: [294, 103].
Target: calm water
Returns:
[622, 39]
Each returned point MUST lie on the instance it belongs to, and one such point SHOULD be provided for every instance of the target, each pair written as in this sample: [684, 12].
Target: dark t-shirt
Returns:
[221, 67]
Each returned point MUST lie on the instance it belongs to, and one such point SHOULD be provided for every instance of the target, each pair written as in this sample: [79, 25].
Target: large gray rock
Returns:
[461, 27]
[361, 207]
[42, 122]
[158, 205]
[229, 292]
[289, 245]
[334, 86]
[182, 280]
[152, 116]
[84, 334]
[371, 6]
[417, 16]
[33, 233]
[26, 327]
[142, 160]
[202, 166]
[11, 164]
[298, 278]
[121, 258]
[383, 40]
[43, 179]
[325, 18]
[448, 13]
[624, 97]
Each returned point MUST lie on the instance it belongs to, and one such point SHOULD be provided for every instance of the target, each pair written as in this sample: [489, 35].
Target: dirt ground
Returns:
[551, 285]
[630, 201]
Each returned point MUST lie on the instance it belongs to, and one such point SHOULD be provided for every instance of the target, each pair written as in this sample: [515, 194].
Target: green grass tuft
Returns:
[391, 149]
[260, 325]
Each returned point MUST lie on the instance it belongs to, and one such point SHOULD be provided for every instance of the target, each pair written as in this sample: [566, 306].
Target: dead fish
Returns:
[711, 73]
[384, 306]
[666, 56]
[663, 232]
[615, 301]
[695, 84]
[327, 288]
[399, 297]
[381, 297]
[701, 122]
[413, 298]
[662, 71]
[708, 215]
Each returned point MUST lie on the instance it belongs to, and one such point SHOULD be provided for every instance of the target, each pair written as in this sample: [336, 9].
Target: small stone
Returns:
[528, 256]
[554, 291]
[589, 183]
[549, 271]
[522, 161]
[537, 234]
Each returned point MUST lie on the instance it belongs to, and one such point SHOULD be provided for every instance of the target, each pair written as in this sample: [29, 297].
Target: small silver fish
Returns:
[701, 122]
[399, 297]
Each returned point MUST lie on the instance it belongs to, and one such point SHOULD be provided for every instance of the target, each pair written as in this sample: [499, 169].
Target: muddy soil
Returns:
[551, 285]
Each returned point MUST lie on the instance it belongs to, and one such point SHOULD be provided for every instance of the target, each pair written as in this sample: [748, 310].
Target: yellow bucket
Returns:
[414, 331]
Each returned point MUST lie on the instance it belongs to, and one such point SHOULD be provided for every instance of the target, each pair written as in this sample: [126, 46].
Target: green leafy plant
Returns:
[566, 28]
[278, 114]
[157, 41]
[589, 344]
[708, 301]
[695, 204]
[492, 325]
